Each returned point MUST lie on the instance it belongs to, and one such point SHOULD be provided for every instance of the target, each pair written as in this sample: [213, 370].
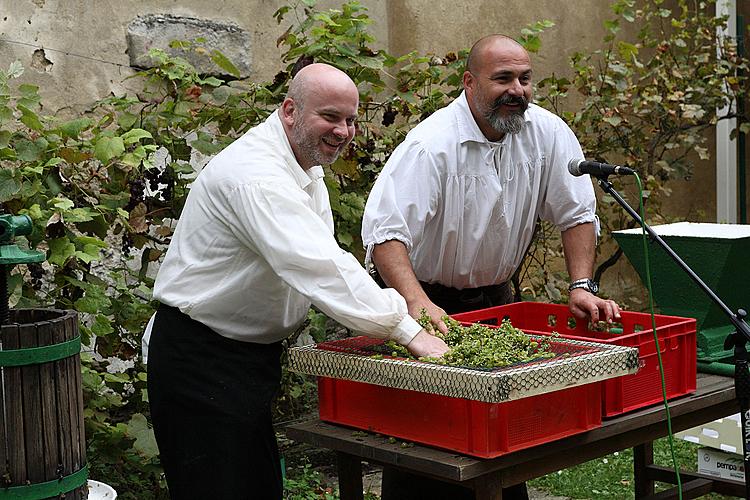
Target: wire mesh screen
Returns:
[574, 363]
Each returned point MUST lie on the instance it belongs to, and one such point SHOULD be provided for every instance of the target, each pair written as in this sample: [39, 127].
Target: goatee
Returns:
[512, 123]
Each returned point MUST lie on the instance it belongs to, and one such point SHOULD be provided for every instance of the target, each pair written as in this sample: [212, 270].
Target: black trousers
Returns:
[400, 485]
[210, 400]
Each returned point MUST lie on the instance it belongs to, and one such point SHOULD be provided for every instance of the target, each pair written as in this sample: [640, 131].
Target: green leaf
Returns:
[15, 69]
[80, 215]
[37, 169]
[127, 120]
[98, 226]
[612, 26]
[29, 91]
[60, 250]
[93, 301]
[101, 326]
[107, 148]
[4, 138]
[212, 81]
[627, 50]
[6, 114]
[531, 43]
[53, 161]
[29, 151]
[369, 62]
[326, 19]
[62, 204]
[9, 185]
[612, 120]
[206, 147]
[73, 128]
[90, 240]
[135, 135]
[224, 63]
[145, 442]
[30, 119]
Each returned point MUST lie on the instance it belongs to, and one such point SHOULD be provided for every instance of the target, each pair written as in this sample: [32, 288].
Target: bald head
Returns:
[485, 47]
[320, 78]
[497, 82]
[318, 114]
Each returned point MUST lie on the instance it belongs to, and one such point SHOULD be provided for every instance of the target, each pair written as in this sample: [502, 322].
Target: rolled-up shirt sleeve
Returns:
[403, 200]
[276, 221]
[568, 200]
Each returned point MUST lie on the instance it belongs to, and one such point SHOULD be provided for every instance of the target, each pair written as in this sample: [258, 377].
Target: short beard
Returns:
[511, 124]
[309, 147]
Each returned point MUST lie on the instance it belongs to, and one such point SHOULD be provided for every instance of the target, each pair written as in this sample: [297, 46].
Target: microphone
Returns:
[579, 166]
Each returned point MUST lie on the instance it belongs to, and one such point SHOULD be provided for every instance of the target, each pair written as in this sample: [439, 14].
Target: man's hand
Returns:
[587, 305]
[426, 344]
[434, 312]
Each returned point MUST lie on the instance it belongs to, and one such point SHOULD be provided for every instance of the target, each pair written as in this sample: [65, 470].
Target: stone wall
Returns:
[76, 51]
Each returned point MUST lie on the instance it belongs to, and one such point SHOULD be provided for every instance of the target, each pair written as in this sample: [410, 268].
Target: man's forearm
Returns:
[394, 266]
[579, 245]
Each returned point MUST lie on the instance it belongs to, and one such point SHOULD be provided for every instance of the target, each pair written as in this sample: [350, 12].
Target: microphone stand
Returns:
[738, 338]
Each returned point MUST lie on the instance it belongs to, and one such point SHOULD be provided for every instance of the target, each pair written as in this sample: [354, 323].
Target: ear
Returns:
[468, 80]
[288, 108]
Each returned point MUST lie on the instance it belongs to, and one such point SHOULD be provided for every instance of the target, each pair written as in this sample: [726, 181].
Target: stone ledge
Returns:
[156, 31]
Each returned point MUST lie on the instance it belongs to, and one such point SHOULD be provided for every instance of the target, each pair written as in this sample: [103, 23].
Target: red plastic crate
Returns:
[485, 430]
[677, 342]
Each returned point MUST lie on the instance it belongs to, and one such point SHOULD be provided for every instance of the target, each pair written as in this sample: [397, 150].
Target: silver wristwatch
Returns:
[587, 284]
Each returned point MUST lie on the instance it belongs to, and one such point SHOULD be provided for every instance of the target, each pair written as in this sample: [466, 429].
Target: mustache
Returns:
[509, 99]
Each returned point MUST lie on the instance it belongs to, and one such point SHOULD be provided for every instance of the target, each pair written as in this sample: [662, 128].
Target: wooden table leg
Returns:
[488, 487]
[643, 456]
[350, 476]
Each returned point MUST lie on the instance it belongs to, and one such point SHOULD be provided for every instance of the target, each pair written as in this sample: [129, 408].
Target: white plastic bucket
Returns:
[101, 491]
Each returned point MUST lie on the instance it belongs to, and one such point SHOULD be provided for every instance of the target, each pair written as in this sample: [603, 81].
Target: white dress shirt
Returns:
[254, 247]
[466, 207]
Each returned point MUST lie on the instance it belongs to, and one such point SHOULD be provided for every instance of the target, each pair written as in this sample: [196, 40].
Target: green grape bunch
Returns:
[480, 346]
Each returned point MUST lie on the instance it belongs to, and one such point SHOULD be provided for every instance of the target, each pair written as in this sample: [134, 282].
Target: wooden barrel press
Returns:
[42, 442]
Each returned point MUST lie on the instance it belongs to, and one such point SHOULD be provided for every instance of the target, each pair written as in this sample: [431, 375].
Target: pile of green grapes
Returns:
[481, 346]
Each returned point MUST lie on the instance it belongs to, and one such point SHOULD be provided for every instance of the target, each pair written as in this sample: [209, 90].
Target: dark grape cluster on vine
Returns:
[137, 188]
[127, 242]
[36, 272]
[389, 116]
[161, 181]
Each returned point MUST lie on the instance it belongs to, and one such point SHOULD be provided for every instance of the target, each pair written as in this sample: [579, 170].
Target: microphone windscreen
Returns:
[573, 166]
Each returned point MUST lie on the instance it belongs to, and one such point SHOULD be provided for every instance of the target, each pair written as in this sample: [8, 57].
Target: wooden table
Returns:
[714, 398]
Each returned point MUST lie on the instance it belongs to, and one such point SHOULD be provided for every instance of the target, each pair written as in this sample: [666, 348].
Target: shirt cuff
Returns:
[406, 330]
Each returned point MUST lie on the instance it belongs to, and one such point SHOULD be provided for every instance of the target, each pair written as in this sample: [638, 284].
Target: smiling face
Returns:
[498, 86]
[319, 114]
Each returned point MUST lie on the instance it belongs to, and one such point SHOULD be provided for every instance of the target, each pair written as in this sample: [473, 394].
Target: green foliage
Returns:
[305, 483]
[649, 102]
[479, 346]
[611, 477]
[395, 93]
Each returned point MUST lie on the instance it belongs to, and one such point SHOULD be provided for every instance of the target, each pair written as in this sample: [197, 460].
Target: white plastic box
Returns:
[723, 434]
[721, 464]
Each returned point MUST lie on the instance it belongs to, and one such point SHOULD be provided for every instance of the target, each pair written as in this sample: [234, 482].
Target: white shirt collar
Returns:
[301, 176]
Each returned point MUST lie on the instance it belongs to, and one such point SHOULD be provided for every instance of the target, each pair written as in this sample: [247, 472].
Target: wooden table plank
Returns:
[714, 398]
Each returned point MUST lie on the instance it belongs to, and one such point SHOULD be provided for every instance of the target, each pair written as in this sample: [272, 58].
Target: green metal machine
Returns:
[11, 254]
[718, 253]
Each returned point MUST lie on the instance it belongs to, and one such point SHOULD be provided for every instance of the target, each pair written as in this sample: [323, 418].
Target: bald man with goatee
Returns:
[451, 215]
[253, 250]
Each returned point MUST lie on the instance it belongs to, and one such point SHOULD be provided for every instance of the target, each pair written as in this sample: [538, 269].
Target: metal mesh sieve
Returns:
[575, 363]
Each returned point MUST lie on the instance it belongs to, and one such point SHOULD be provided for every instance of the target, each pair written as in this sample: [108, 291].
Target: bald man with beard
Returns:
[451, 215]
[253, 249]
